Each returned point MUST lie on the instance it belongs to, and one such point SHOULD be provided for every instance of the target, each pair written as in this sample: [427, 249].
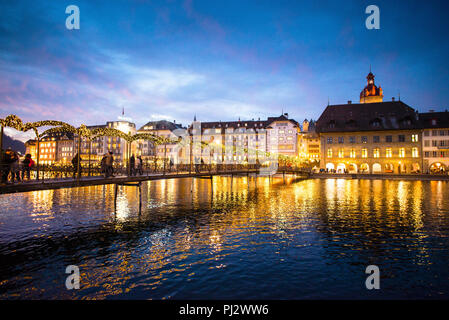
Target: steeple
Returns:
[371, 93]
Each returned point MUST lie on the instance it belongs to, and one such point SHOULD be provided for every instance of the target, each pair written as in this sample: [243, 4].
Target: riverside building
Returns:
[247, 141]
[372, 136]
[435, 142]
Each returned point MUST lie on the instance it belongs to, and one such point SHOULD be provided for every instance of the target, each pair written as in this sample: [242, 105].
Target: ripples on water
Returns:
[247, 239]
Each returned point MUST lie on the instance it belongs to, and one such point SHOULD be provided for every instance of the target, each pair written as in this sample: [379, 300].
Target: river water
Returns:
[239, 238]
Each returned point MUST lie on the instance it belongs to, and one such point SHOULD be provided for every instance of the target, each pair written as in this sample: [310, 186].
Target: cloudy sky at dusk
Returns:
[220, 60]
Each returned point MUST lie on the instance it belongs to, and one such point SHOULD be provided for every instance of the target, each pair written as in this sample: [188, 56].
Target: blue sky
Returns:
[220, 60]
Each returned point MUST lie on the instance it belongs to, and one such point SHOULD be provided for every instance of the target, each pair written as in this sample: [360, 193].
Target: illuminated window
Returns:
[376, 153]
[388, 153]
[329, 153]
[364, 139]
[414, 138]
[341, 153]
[415, 152]
[364, 153]
[352, 153]
[401, 152]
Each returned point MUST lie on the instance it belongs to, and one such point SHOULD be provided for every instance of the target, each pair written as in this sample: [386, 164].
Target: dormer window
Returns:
[434, 122]
[331, 124]
[375, 123]
[406, 121]
[351, 123]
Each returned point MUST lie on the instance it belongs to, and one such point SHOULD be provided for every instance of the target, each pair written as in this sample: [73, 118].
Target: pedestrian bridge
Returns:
[59, 183]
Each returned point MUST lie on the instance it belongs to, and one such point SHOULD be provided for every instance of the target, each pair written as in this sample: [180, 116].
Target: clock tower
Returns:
[371, 93]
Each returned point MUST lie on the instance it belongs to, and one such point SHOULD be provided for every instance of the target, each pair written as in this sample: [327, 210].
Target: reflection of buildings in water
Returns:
[122, 210]
[180, 233]
[42, 205]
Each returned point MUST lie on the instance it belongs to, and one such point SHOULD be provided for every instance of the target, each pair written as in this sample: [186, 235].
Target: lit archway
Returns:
[389, 168]
[416, 168]
[437, 167]
[341, 167]
[402, 168]
[330, 167]
[377, 168]
[352, 168]
[364, 168]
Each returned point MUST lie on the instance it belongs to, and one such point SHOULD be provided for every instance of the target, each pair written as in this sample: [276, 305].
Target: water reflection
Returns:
[232, 237]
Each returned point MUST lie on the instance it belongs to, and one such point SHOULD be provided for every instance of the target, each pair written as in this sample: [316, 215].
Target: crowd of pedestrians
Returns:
[14, 168]
[135, 165]
[17, 168]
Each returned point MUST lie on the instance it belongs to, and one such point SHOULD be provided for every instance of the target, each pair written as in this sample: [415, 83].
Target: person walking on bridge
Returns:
[132, 165]
[75, 165]
[139, 165]
[27, 164]
[15, 168]
[103, 164]
[109, 165]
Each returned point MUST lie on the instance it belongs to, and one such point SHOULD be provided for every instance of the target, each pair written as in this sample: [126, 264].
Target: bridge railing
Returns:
[19, 174]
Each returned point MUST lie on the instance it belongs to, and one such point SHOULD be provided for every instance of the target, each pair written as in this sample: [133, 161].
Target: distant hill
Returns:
[16, 145]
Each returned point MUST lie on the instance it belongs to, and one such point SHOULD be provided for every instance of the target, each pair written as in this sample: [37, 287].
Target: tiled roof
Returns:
[260, 124]
[392, 115]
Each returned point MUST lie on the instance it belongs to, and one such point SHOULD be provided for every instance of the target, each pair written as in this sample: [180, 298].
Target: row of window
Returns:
[47, 144]
[376, 139]
[251, 137]
[436, 154]
[375, 153]
[436, 143]
[289, 138]
[436, 133]
[47, 150]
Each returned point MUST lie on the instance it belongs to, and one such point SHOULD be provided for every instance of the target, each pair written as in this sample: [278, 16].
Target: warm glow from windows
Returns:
[364, 153]
[352, 153]
[388, 153]
[415, 152]
[376, 153]
[401, 152]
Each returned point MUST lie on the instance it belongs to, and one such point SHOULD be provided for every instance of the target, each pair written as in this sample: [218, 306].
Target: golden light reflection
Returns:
[226, 214]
